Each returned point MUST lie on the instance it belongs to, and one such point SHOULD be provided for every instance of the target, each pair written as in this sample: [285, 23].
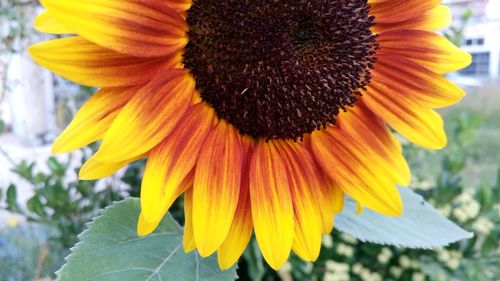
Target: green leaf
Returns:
[255, 261]
[36, 206]
[485, 195]
[12, 198]
[490, 244]
[111, 250]
[420, 225]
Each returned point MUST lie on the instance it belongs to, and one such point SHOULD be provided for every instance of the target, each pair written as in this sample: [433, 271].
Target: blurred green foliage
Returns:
[59, 207]
[57, 202]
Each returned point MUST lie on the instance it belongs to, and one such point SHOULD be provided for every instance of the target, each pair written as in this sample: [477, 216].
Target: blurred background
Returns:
[43, 206]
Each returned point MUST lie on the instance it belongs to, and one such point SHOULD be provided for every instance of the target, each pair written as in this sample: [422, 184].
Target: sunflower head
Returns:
[262, 113]
[280, 70]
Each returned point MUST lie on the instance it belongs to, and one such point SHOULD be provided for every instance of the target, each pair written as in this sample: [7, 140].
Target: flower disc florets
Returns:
[280, 69]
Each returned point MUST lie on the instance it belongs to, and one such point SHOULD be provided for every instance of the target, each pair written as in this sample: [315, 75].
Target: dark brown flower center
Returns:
[280, 68]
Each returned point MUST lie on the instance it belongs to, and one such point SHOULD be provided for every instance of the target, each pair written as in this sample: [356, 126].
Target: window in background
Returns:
[474, 42]
[480, 65]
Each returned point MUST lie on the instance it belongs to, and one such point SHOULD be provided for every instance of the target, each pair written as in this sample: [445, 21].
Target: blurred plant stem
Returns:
[42, 256]
[455, 33]
[6, 155]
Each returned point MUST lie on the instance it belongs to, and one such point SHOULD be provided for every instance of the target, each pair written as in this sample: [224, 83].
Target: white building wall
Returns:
[489, 31]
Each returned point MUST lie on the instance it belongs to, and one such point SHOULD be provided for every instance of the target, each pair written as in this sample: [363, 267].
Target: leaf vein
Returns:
[159, 267]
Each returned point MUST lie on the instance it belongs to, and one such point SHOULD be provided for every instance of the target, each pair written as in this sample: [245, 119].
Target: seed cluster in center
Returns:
[279, 69]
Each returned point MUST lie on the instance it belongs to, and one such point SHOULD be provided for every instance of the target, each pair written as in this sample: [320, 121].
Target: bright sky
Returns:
[493, 9]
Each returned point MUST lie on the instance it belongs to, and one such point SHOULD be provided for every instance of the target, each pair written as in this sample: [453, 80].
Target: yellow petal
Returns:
[338, 199]
[148, 224]
[359, 208]
[272, 209]
[93, 119]
[304, 181]
[45, 22]
[144, 227]
[420, 125]
[334, 196]
[401, 11]
[148, 117]
[188, 240]
[137, 28]
[241, 228]
[216, 187]
[428, 49]
[399, 78]
[89, 64]
[93, 169]
[360, 123]
[355, 168]
[170, 162]
[431, 20]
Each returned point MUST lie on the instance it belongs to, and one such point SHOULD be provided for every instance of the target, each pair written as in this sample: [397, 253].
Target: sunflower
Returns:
[262, 113]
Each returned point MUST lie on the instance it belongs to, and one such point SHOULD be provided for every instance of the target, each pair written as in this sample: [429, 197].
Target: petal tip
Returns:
[438, 144]
[84, 175]
[467, 59]
[59, 147]
[145, 227]
[33, 52]
[188, 247]
[205, 251]
[56, 149]
[397, 208]
[88, 171]
[276, 264]
[225, 263]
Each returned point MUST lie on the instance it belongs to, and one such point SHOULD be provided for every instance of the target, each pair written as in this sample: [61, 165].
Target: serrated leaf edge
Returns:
[468, 234]
[410, 246]
[87, 228]
[111, 206]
